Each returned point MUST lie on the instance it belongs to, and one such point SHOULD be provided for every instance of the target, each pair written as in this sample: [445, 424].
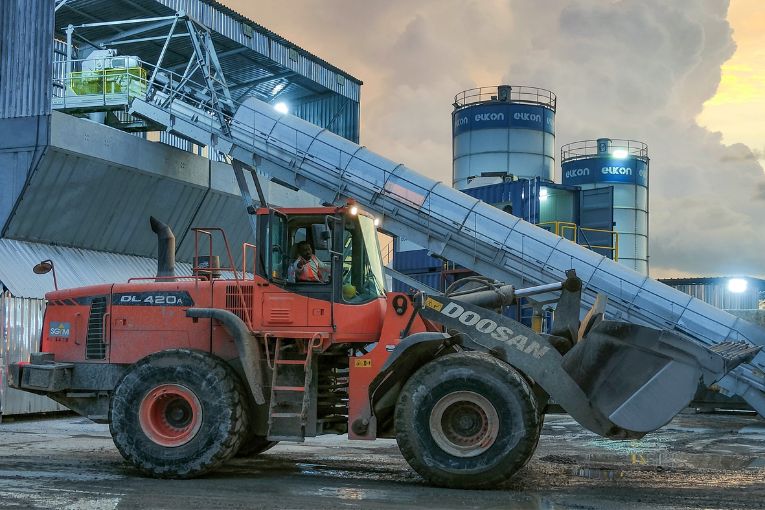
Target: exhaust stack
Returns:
[165, 249]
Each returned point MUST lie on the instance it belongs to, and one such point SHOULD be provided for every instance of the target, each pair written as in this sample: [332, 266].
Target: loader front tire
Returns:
[467, 420]
[178, 414]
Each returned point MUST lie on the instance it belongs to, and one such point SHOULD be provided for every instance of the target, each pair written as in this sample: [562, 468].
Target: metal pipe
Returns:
[493, 298]
[539, 289]
[165, 249]
[505, 295]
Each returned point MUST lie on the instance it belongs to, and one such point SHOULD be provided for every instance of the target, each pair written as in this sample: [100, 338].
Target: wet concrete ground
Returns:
[697, 461]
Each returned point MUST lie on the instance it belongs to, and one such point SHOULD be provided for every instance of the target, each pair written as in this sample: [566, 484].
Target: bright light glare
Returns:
[281, 107]
[278, 88]
[543, 194]
[354, 210]
[737, 285]
[377, 222]
[620, 153]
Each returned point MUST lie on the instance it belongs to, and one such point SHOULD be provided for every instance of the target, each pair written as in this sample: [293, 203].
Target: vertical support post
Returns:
[68, 79]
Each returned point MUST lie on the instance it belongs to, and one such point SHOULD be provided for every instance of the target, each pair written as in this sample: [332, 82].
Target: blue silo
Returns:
[502, 131]
[623, 166]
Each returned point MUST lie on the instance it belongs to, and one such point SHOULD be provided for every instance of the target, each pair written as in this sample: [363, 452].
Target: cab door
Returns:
[281, 308]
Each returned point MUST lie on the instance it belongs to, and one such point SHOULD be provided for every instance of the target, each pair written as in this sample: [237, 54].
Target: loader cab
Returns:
[344, 265]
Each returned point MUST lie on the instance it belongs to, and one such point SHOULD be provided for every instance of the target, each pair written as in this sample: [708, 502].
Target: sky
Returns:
[686, 77]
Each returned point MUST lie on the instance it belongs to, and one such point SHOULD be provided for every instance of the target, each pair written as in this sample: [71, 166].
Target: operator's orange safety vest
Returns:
[312, 271]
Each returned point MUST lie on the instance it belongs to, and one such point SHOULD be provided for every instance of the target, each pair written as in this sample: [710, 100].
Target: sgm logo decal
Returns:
[501, 333]
[60, 329]
[169, 298]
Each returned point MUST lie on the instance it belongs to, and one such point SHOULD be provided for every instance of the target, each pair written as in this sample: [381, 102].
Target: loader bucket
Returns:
[639, 377]
[636, 388]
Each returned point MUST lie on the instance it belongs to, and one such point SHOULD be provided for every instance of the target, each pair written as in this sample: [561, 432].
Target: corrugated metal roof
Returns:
[75, 267]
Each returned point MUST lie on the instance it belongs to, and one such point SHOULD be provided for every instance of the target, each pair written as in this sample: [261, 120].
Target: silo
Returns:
[622, 165]
[502, 131]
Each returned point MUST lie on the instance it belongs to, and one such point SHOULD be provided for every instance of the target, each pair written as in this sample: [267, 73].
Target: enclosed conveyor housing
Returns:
[451, 224]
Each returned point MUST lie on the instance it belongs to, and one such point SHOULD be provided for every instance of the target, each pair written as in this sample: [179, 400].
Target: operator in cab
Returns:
[307, 267]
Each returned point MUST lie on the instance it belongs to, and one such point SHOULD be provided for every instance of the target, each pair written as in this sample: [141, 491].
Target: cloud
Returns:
[636, 69]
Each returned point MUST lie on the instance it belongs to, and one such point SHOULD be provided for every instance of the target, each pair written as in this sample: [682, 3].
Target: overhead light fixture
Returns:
[377, 222]
[354, 210]
[278, 88]
[620, 153]
[737, 285]
[281, 107]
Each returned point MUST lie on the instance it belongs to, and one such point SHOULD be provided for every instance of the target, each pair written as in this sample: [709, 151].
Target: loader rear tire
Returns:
[178, 414]
[467, 420]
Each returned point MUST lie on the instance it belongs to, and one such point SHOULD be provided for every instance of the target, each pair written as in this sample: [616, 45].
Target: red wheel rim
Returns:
[170, 415]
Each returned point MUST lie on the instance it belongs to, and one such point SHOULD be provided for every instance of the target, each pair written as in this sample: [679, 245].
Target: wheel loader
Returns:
[189, 371]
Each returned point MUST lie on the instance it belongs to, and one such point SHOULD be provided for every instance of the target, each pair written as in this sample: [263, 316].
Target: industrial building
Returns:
[79, 179]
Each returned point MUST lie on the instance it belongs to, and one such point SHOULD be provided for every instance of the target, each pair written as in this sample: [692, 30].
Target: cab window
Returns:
[309, 256]
[278, 240]
[362, 265]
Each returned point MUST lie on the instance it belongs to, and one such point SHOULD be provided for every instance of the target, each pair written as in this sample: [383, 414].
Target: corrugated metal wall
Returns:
[20, 325]
[717, 294]
[335, 113]
[175, 141]
[26, 37]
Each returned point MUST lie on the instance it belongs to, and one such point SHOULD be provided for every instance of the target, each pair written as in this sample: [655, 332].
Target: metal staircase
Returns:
[435, 216]
[293, 381]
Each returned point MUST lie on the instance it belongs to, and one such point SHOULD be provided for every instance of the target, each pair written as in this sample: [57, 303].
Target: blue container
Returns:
[519, 198]
[416, 261]
[434, 280]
